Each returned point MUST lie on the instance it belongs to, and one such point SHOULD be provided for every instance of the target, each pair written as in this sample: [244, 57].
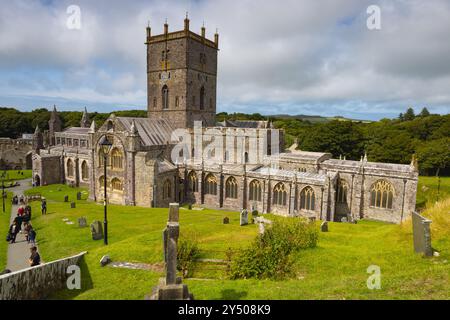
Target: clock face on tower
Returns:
[164, 76]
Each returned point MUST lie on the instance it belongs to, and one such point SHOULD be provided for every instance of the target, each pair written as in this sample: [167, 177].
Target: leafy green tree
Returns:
[433, 155]
[424, 112]
[337, 137]
[409, 114]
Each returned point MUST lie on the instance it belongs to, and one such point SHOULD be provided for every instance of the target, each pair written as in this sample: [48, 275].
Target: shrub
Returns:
[188, 252]
[269, 256]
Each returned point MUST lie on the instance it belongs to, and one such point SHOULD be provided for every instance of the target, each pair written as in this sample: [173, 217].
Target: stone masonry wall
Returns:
[38, 282]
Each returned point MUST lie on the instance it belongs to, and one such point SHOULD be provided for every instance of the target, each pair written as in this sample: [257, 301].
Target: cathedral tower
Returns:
[182, 76]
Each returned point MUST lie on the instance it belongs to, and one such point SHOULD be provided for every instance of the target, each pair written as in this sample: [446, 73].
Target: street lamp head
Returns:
[105, 144]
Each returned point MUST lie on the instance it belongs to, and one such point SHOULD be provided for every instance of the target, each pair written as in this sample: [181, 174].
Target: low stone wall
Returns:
[37, 282]
[422, 235]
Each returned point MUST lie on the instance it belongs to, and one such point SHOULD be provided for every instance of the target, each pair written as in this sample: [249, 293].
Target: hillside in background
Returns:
[388, 140]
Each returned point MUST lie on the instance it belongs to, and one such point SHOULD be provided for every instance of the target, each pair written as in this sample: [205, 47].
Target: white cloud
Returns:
[287, 58]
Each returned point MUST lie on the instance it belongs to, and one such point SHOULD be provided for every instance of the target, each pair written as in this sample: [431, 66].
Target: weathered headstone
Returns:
[344, 219]
[324, 226]
[82, 222]
[96, 230]
[262, 224]
[105, 260]
[66, 198]
[78, 195]
[171, 287]
[190, 206]
[243, 217]
[421, 235]
[226, 220]
[72, 205]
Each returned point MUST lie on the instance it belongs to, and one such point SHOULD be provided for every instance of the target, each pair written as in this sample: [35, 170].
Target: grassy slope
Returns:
[427, 190]
[14, 175]
[336, 269]
[4, 227]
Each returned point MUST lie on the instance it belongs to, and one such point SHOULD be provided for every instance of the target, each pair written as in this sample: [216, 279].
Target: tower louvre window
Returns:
[177, 102]
[202, 98]
[154, 103]
[165, 97]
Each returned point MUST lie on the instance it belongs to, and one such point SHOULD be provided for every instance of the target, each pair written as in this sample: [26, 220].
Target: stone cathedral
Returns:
[181, 85]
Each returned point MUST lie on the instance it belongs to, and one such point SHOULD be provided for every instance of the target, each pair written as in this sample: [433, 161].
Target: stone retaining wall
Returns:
[37, 282]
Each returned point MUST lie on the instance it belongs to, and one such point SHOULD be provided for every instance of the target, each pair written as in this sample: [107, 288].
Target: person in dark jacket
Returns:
[13, 231]
[44, 206]
[35, 258]
[18, 220]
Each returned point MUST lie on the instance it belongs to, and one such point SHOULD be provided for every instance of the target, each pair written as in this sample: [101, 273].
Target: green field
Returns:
[336, 269]
[427, 190]
[4, 228]
[14, 175]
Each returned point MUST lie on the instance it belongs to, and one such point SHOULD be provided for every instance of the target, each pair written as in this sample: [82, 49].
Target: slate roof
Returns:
[151, 131]
[76, 130]
[243, 124]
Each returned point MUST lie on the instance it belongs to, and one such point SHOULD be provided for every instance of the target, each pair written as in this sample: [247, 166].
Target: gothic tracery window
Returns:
[167, 189]
[231, 188]
[255, 191]
[342, 190]
[307, 199]
[116, 159]
[193, 182]
[70, 168]
[211, 185]
[279, 195]
[116, 184]
[84, 171]
[382, 195]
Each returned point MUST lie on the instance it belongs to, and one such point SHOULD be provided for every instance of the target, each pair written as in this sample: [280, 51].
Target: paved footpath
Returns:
[19, 252]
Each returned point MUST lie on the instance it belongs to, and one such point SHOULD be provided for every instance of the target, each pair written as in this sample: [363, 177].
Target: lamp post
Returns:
[3, 189]
[105, 145]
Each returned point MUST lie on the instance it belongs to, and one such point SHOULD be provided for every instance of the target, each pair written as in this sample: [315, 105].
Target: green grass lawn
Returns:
[427, 190]
[335, 269]
[15, 175]
[4, 228]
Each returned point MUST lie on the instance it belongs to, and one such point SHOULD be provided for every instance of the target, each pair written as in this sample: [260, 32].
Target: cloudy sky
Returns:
[314, 57]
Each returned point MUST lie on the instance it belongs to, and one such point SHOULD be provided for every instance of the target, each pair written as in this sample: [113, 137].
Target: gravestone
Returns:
[262, 224]
[226, 220]
[66, 198]
[243, 217]
[96, 230]
[72, 205]
[82, 223]
[105, 260]
[171, 288]
[344, 219]
[190, 206]
[78, 195]
[421, 235]
[324, 226]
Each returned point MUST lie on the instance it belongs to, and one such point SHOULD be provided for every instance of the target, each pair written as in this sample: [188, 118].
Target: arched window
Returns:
[202, 98]
[307, 199]
[211, 185]
[165, 97]
[101, 182]
[84, 171]
[116, 184]
[255, 191]
[110, 125]
[116, 159]
[279, 195]
[70, 168]
[231, 188]
[382, 195]
[167, 189]
[193, 182]
[341, 194]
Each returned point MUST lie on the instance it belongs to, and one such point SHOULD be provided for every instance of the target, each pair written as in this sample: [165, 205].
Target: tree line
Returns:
[387, 140]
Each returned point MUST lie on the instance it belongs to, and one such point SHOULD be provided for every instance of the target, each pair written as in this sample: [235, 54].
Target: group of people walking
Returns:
[22, 224]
